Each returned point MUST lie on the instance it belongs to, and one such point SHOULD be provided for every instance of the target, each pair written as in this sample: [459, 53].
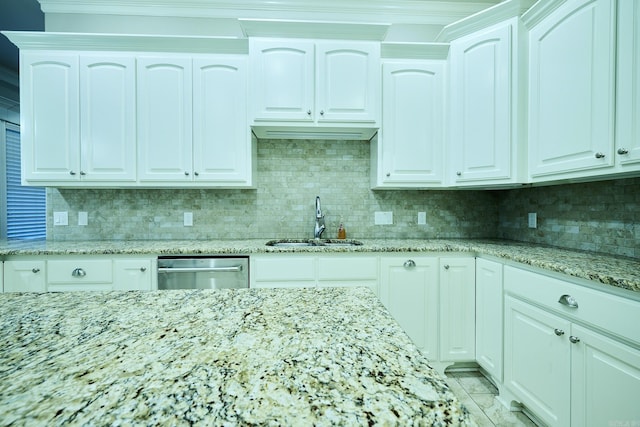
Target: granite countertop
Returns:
[619, 272]
[203, 357]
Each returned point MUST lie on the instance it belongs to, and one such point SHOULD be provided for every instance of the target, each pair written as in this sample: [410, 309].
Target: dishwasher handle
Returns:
[234, 269]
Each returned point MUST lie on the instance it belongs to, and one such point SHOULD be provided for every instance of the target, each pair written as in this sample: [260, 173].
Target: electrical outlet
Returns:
[422, 218]
[533, 220]
[188, 219]
[383, 218]
[83, 218]
[61, 218]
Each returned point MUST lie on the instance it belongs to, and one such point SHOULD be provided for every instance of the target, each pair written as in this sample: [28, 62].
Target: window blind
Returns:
[26, 206]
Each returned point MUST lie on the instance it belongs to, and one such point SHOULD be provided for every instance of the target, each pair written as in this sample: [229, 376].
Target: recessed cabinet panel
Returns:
[107, 118]
[164, 118]
[221, 151]
[50, 116]
[489, 317]
[411, 139]
[571, 89]
[482, 121]
[25, 276]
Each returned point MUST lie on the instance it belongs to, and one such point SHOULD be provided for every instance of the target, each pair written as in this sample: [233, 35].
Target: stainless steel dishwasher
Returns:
[175, 272]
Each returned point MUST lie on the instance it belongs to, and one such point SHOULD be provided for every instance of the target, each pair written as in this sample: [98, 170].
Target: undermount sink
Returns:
[312, 242]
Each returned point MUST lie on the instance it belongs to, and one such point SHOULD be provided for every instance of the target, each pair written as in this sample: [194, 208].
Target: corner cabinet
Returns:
[296, 82]
[485, 121]
[409, 149]
[571, 89]
[433, 300]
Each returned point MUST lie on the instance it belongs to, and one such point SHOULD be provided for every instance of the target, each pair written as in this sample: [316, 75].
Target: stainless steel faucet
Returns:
[319, 228]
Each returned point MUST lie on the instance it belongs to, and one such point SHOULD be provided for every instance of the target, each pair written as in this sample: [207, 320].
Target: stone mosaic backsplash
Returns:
[290, 174]
[600, 216]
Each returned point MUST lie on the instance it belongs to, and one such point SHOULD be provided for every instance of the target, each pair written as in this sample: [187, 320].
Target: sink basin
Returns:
[313, 242]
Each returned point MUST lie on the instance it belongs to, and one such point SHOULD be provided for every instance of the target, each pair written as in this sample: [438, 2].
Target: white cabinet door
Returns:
[409, 290]
[348, 81]
[107, 118]
[537, 360]
[628, 94]
[481, 119]
[164, 112]
[50, 116]
[489, 309]
[457, 309]
[282, 80]
[133, 274]
[605, 373]
[410, 145]
[571, 90]
[25, 276]
[221, 133]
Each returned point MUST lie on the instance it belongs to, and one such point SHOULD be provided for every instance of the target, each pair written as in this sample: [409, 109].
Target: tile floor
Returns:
[477, 394]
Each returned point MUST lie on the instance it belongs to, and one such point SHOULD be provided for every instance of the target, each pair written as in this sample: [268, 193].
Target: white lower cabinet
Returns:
[433, 299]
[571, 353]
[310, 270]
[79, 273]
[489, 321]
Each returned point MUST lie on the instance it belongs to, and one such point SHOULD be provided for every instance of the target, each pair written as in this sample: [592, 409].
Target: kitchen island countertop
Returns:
[617, 271]
[229, 357]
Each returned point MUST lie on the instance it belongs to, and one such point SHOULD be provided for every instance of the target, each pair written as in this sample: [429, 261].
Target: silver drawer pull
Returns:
[35, 270]
[558, 332]
[568, 300]
[78, 272]
[574, 339]
[409, 264]
[143, 269]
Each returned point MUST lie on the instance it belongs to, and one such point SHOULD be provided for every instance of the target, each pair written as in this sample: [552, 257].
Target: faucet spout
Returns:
[319, 228]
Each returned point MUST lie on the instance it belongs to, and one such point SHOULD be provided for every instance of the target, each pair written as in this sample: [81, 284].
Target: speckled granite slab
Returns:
[615, 271]
[201, 357]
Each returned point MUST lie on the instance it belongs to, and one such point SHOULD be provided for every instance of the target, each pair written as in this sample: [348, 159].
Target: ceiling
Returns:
[17, 15]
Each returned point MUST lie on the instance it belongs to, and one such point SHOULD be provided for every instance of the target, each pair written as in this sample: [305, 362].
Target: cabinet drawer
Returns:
[95, 271]
[610, 313]
[348, 268]
[275, 269]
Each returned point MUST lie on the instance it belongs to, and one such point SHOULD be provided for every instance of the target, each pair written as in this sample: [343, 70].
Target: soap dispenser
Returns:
[342, 233]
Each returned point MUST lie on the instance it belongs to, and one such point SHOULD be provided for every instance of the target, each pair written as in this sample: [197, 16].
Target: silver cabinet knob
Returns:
[574, 339]
[409, 263]
[196, 173]
[72, 173]
[600, 155]
[558, 332]
[35, 270]
[308, 112]
[186, 173]
[78, 272]
[388, 174]
[446, 266]
[322, 112]
[623, 151]
[459, 173]
[83, 173]
[568, 300]
[143, 269]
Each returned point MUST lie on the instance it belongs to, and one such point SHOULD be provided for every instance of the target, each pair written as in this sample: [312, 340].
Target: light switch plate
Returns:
[533, 220]
[383, 218]
[61, 218]
[188, 219]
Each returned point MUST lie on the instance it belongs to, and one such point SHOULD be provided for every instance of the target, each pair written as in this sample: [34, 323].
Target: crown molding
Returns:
[539, 11]
[126, 42]
[484, 19]
[440, 12]
[313, 29]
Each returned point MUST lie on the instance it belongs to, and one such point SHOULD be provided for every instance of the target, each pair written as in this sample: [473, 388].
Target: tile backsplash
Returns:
[290, 174]
[600, 216]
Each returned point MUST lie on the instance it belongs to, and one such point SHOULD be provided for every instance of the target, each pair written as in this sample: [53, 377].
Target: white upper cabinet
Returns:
[409, 149]
[314, 83]
[483, 126]
[628, 95]
[571, 90]
[49, 104]
[107, 118]
[164, 119]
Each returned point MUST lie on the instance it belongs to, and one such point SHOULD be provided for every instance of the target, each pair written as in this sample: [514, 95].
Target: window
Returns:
[24, 208]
